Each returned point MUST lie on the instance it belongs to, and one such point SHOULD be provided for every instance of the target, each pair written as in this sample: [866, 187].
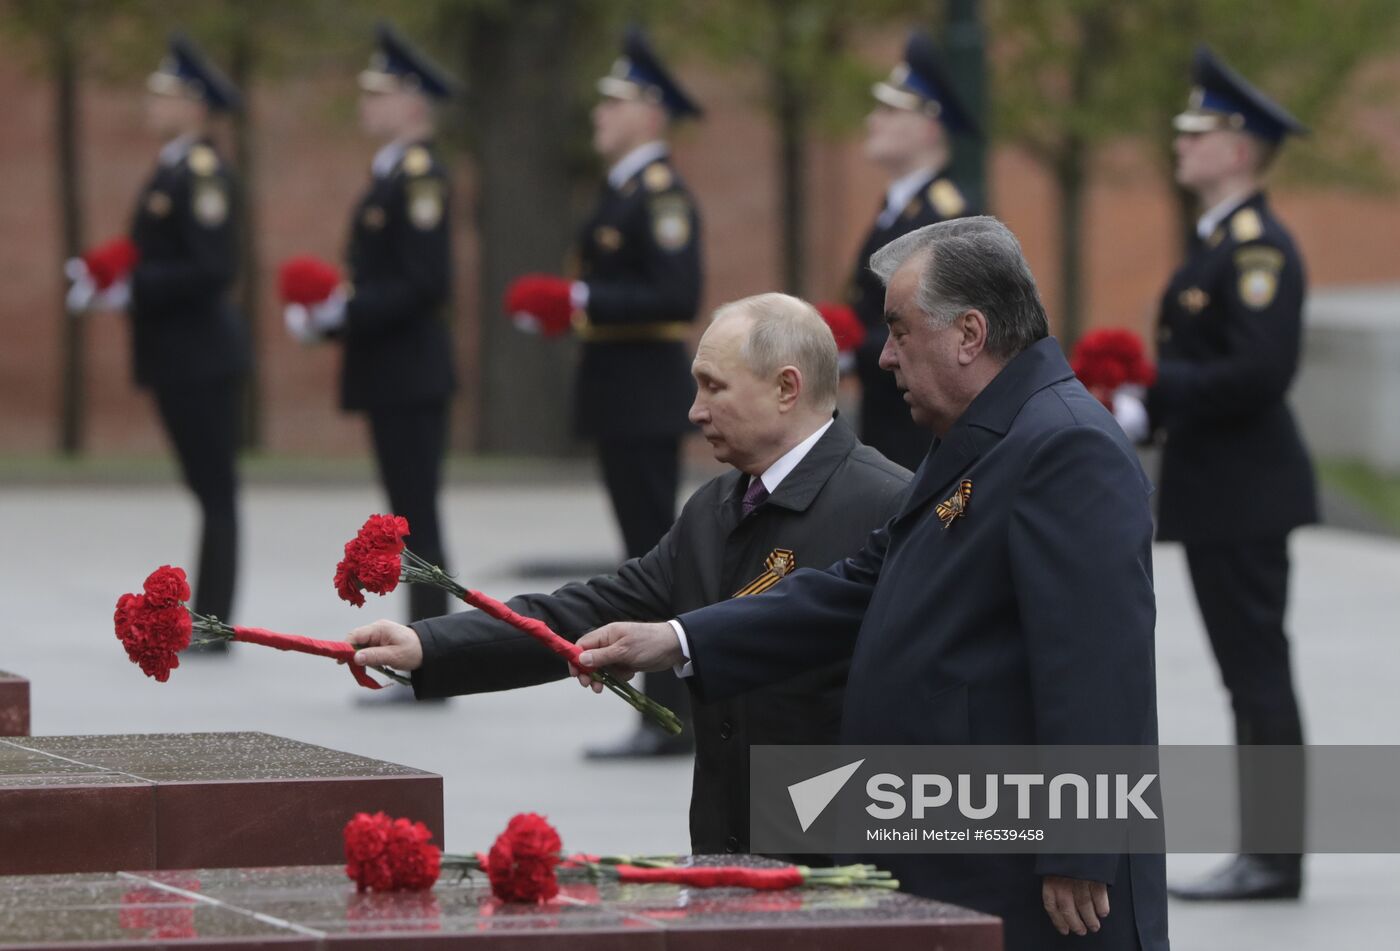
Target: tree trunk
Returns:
[1069, 178]
[520, 67]
[242, 57]
[63, 64]
[791, 112]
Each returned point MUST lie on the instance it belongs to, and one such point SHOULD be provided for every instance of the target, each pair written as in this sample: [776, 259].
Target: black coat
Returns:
[821, 512]
[639, 254]
[184, 328]
[398, 350]
[1029, 620]
[884, 416]
[1229, 332]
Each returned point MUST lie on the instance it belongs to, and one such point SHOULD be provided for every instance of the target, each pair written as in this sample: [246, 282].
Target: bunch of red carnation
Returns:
[845, 325]
[388, 855]
[111, 261]
[521, 863]
[545, 298]
[154, 626]
[306, 279]
[373, 559]
[1111, 357]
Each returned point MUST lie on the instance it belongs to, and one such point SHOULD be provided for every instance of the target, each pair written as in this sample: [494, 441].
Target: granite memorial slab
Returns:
[317, 907]
[14, 705]
[188, 800]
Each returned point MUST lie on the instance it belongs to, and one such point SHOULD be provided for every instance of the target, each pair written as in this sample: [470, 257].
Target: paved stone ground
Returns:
[71, 549]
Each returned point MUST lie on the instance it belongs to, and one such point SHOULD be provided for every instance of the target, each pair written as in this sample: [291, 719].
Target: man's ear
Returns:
[972, 327]
[789, 388]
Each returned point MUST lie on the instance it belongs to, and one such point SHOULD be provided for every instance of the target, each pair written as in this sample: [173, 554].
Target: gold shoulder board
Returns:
[658, 177]
[417, 161]
[1246, 225]
[946, 199]
[203, 160]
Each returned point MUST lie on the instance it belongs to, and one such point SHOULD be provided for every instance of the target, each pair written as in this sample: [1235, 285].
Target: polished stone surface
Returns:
[102, 803]
[14, 705]
[317, 907]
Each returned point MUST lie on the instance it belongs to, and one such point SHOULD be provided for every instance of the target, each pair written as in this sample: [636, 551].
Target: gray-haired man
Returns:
[803, 491]
[1022, 616]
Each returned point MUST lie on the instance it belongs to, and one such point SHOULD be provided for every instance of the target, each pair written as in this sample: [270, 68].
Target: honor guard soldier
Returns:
[189, 345]
[907, 135]
[1236, 478]
[636, 296]
[392, 319]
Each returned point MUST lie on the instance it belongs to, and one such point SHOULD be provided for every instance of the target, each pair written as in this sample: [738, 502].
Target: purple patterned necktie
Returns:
[754, 497]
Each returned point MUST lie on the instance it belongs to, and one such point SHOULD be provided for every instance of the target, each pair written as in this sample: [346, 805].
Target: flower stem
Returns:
[417, 571]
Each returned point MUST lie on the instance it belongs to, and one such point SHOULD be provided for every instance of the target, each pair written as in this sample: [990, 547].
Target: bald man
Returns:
[802, 492]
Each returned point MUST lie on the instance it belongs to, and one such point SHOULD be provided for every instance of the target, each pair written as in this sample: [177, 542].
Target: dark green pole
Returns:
[964, 44]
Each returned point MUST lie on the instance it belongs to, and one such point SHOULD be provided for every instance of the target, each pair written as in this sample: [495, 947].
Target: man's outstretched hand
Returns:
[627, 647]
[386, 644]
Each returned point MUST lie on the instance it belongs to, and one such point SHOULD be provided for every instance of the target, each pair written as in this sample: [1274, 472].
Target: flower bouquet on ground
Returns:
[527, 863]
[156, 625]
[377, 560]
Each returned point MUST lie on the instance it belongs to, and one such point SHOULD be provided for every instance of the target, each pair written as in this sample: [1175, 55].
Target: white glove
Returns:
[297, 319]
[526, 322]
[329, 314]
[115, 297]
[81, 290]
[1131, 412]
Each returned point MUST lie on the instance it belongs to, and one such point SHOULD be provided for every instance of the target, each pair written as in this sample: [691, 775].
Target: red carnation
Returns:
[415, 862]
[111, 261]
[522, 861]
[152, 628]
[1108, 358]
[372, 559]
[544, 297]
[845, 325]
[384, 854]
[306, 279]
[166, 587]
[384, 533]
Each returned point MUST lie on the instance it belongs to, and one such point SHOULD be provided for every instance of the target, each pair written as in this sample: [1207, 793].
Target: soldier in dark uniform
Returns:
[1236, 478]
[393, 318]
[803, 492]
[636, 296]
[908, 137]
[189, 344]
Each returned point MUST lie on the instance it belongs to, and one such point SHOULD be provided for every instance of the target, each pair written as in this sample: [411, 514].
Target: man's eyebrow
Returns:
[892, 316]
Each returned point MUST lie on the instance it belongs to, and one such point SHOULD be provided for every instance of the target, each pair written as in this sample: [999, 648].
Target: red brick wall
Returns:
[313, 162]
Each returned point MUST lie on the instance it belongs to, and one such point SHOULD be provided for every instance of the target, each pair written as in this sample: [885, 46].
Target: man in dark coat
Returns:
[1236, 477]
[189, 345]
[1009, 602]
[393, 319]
[636, 296]
[908, 135]
[803, 492]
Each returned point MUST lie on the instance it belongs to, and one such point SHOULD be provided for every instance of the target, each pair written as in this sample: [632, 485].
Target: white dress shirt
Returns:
[1208, 222]
[899, 194]
[387, 158]
[176, 149]
[771, 477]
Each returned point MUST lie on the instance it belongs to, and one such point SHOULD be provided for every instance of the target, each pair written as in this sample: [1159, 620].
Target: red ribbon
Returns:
[340, 650]
[720, 876]
[537, 629]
